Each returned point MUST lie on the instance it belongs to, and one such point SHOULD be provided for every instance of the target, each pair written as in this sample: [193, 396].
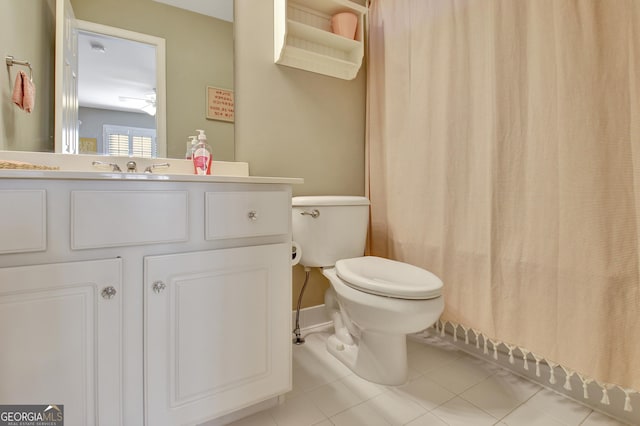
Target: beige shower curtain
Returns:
[504, 155]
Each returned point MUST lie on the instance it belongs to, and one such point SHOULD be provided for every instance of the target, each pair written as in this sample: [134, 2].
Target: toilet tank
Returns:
[338, 232]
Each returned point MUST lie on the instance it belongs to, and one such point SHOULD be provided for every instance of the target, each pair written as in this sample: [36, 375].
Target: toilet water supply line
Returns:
[299, 340]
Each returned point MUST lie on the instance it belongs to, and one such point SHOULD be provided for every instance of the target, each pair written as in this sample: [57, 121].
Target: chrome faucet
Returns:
[114, 166]
[150, 168]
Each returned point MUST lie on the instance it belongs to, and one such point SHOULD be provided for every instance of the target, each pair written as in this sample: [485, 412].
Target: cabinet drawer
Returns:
[246, 214]
[23, 221]
[124, 218]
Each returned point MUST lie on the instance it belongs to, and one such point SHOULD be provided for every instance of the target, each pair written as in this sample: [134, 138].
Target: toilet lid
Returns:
[389, 278]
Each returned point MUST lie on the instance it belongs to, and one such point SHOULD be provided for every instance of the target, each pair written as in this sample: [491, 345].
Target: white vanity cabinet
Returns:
[213, 330]
[144, 300]
[60, 328]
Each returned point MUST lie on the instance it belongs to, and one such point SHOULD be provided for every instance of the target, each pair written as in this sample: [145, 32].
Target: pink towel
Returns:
[24, 92]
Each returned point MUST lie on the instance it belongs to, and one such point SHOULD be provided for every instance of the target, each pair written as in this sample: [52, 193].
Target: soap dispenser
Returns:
[191, 145]
[202, 156]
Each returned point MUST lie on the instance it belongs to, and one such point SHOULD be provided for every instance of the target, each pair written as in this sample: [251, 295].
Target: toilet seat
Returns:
[384, 277]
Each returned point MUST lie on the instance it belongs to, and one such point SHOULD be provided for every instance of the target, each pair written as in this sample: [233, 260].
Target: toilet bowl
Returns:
[373, 302]
[380, 313]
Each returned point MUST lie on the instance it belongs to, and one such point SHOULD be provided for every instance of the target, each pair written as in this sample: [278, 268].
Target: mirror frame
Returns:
[161, 79]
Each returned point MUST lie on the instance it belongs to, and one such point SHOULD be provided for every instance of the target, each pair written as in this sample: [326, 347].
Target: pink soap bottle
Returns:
[202, 156]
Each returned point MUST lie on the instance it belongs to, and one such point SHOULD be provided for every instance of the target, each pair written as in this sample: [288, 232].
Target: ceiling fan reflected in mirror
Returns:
[146, 104]
[103, 82]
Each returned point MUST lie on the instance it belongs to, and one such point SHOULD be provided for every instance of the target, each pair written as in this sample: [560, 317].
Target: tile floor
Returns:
[446, 387]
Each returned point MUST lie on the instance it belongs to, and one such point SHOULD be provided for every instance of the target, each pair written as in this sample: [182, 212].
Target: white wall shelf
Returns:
[303, 37]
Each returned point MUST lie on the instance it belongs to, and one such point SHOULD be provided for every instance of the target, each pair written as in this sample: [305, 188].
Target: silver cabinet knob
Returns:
[108, 292]
[158, 287]
[253, 215]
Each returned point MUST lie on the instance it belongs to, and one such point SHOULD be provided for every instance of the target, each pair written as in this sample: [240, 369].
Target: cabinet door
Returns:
[61, 339]
[217, 329]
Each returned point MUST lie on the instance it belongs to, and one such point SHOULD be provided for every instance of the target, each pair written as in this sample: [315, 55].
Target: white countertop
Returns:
[80, 167]
[58, 174]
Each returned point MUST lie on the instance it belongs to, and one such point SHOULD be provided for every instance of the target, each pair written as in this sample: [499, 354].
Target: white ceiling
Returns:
[125, 69]
[221, 9]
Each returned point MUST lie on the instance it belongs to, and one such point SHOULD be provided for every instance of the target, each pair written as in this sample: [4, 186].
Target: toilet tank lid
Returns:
[329, 200]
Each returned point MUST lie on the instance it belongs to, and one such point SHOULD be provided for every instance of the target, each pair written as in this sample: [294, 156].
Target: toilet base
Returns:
[378, 357]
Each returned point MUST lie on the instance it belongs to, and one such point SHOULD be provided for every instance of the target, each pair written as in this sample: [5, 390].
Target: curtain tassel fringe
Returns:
[552, 370]
[627, 400]
[524, 358]
[440, 328]
[568, 373]
[537, 359]
[585, 383]
[511, 358]
[605, 395]
[495, 348]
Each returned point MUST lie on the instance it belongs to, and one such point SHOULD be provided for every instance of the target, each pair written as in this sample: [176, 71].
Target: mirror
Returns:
[121, 109]
[199, 53]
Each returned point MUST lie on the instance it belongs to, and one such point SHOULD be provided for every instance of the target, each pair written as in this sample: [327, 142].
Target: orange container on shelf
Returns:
[344, 24]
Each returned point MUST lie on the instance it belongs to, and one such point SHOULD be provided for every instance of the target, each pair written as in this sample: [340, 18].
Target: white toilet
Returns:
[373, 302]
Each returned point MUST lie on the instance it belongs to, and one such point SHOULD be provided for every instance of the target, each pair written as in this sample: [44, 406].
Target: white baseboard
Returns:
[312, 317]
